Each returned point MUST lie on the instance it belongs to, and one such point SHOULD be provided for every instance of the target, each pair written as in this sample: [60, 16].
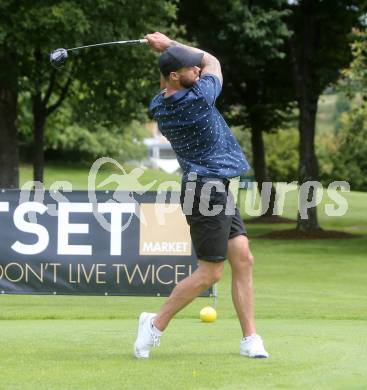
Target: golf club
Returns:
[58, 57]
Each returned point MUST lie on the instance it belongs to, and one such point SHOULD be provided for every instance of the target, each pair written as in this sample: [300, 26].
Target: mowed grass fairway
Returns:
[311, 306]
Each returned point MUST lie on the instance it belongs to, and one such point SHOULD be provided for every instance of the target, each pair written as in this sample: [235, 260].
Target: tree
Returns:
[349, 162]
[346, 153]
[248, 40]
[9, 159]
[318, 49]
[108, 84]
[355, 77]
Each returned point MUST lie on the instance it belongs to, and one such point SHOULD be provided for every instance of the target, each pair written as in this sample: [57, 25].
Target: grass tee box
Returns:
[310, 305]
[309, 297]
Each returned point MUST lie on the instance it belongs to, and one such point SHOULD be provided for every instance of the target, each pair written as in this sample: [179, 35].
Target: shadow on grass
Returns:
[295, 234]
[263, 219]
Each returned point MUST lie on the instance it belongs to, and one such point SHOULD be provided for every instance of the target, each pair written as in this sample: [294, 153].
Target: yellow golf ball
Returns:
[208, 314]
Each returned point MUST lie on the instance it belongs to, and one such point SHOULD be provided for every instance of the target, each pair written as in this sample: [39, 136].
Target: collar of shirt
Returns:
[176, 96]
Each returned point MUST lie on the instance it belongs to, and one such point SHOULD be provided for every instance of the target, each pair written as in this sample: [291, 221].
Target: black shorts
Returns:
[210, 233]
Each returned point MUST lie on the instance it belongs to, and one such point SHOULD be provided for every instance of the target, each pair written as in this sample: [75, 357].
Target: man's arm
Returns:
[210, 64]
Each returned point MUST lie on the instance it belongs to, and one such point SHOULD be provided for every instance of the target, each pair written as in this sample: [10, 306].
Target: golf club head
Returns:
[58, 58]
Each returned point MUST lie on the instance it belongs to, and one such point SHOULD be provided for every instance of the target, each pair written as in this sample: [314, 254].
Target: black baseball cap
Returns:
[176, 57]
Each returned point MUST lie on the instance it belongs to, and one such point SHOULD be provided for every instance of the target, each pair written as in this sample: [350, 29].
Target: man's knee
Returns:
[245, 259]
[217, 272]
[212, 272]
[249, 258]
[239, 252]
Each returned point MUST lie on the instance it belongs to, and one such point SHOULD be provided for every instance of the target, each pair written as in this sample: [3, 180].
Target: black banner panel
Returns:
[93, 243]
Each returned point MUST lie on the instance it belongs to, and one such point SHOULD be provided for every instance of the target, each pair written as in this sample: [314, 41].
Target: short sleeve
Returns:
[150, 109]
[153, 105]
[209, 86]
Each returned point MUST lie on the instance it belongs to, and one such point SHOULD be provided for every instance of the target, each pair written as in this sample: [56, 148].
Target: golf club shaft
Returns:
[131, 42]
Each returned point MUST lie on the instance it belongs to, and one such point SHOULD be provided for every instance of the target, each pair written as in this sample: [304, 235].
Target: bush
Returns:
[349, 159]
[282, 157]
[243, 136]
[281, 149]
[81, 144]
[65, 139]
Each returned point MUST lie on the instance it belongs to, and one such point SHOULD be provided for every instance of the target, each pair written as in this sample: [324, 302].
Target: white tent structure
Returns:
[160, 152]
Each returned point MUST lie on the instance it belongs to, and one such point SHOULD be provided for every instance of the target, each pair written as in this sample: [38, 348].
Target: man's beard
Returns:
[186, 83]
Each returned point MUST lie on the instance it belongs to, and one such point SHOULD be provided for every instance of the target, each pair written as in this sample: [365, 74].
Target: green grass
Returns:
[97, 354]
[77, 176]
[354, 221]
[311, 309]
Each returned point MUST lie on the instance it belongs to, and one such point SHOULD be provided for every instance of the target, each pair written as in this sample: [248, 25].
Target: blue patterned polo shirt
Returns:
[199, 135]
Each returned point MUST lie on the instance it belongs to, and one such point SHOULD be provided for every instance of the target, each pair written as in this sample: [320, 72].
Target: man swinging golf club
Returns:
[209, 156]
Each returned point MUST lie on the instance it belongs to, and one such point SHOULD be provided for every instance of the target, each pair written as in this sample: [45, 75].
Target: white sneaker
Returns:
[147, 338]
[253, 347]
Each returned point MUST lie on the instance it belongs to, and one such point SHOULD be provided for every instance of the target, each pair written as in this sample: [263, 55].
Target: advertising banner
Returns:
[99, 243]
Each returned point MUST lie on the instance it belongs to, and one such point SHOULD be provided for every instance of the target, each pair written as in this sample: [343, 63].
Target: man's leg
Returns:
[187, 290]
[241, 261]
